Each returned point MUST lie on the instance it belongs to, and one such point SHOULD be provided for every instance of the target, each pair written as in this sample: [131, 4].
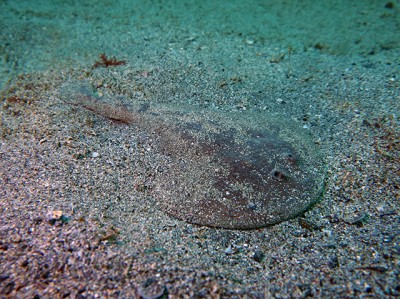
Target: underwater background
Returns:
[199, 149]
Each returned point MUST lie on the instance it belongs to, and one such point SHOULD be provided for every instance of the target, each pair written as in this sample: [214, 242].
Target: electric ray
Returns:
[239, 170]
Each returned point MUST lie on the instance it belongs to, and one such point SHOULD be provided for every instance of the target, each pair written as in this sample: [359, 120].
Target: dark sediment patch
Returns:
[234, 170]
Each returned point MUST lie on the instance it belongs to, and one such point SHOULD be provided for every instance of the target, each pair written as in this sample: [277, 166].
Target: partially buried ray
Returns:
[232, 170]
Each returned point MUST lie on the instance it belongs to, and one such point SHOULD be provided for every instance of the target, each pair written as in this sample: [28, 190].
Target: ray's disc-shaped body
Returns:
[233, 170]
[237, 174]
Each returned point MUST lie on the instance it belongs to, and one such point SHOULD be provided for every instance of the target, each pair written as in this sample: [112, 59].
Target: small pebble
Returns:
[54, 216]
[150, 289]
[229, 250]
[258, 256]
[249, 41]
[333, 262]
[95, 155]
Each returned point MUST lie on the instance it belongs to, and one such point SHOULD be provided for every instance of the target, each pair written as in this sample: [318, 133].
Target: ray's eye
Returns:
[278, 175]
[291, 158]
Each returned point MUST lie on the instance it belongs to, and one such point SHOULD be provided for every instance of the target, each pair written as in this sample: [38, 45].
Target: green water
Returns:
[41, 35]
